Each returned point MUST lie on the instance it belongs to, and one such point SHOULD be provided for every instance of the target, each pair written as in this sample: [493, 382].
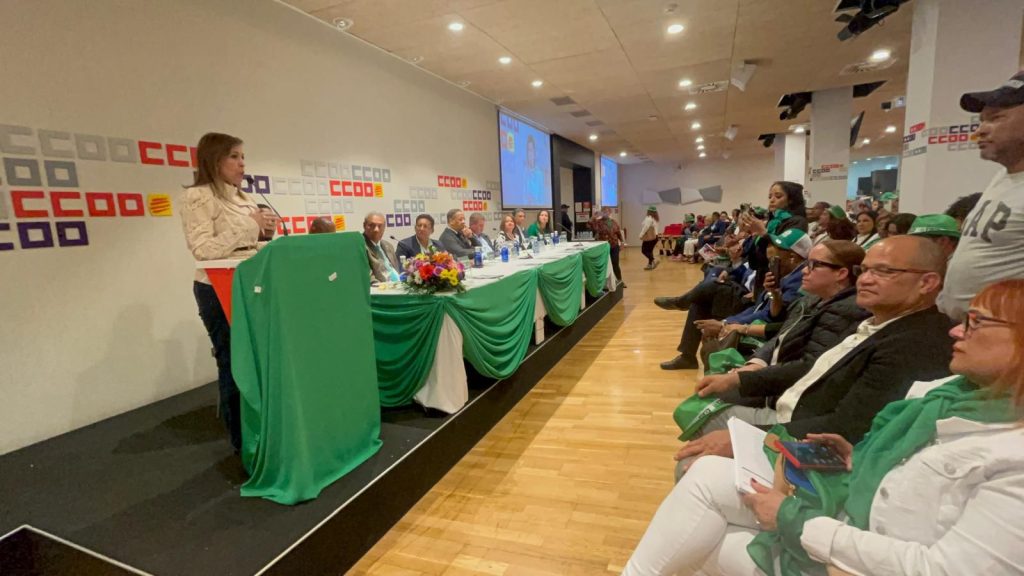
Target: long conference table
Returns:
[421, 340]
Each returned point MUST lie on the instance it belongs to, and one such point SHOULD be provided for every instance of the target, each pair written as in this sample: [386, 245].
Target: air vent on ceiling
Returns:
[581, 113]
[865, 67]
[595, 123]
[709, 87]
[563, 101]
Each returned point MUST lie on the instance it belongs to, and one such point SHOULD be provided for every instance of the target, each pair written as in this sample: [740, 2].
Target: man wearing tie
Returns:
[476, 224]
[380, 253]
[456, 237]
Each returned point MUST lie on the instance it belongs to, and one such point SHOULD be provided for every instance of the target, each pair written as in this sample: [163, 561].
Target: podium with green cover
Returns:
[302, 353]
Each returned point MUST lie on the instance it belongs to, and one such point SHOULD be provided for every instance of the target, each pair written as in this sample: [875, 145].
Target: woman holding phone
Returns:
[936, 487]
[220, 221]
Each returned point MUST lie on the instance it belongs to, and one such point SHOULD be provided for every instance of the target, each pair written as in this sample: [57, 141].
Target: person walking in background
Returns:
[606, 228]
[649, 237]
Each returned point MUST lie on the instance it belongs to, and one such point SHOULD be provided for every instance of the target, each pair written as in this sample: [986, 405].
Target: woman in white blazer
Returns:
[937, 486]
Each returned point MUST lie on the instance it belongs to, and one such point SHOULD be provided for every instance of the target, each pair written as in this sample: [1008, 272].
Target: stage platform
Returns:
[155, 490]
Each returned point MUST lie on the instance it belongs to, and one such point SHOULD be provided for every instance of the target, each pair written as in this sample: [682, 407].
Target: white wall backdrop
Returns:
[94, 330]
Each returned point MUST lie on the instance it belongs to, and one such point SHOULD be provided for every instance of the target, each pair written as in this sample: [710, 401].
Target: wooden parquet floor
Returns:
[566, 482]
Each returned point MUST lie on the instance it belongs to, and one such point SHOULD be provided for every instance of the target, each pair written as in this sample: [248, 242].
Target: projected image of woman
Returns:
[534, 176]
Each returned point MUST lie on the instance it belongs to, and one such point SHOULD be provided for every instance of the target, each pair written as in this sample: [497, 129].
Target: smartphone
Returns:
[773, 267]
[812, 456]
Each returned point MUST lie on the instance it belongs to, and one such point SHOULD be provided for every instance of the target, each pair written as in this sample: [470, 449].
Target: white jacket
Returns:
[956, 507]
[648, 223]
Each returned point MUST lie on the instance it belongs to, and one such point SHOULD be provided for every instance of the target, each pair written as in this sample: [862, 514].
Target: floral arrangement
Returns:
[434, 272]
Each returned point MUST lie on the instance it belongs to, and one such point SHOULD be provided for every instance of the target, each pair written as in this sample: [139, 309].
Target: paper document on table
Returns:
[748, 455]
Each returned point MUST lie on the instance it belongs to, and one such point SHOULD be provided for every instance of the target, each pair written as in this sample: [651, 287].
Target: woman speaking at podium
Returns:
[220, 221]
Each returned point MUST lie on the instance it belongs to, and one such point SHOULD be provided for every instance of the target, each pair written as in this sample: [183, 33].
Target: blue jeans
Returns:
[219, 330]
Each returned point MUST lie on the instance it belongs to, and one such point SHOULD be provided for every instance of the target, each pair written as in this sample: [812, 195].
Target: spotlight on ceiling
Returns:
[703, 155]
[865, 141]
[622, 154]
[505, 60]
[675, 28]
[767, 140]
[700, 147]
[537, 83]
[699, 139]
[593, 137]
[890, 129]
[793, 104]
[690, 106]
[799, 130]
[695, 126]
[456, 26]
[862, 15]
[685, 83]
[880, 55]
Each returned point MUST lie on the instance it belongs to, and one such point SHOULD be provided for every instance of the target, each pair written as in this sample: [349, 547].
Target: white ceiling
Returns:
[615, 59]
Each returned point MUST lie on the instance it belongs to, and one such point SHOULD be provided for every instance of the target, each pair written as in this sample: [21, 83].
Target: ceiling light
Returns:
[537, 83]
[505, 60]
[675, 28]
[690, 106]
[881, 55]
[685, 83]
[866, 141]
[456, 26]
[799, 130]
[702, 155]
[416, 59]
[890, 129]
[343, 23]
[700, 147]
[622, 154]
[695, 126]
[699, 139]
[593, 137]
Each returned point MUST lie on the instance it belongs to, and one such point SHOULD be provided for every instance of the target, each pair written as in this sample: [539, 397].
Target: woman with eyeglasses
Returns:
[936, 487]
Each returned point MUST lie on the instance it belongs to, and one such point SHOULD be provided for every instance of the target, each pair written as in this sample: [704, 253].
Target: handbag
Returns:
[712, 344]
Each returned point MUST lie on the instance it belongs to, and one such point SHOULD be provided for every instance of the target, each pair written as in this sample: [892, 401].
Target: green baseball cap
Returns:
[692, 413]
[794, 240]
[888, 196]
[934, 225]
[652, 208]
[690, 218]
[836, 211]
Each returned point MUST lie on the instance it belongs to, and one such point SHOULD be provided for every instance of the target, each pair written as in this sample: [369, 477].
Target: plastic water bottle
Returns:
[515, 248]
[504, 253]
[536, 245]
[478, 257]
[554, 238]
[401, 264]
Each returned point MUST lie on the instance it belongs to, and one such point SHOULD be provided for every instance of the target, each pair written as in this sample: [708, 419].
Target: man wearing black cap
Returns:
[992, 240]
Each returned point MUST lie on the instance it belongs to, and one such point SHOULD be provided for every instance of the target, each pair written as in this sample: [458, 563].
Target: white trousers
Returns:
[702, 527]
[689, 246]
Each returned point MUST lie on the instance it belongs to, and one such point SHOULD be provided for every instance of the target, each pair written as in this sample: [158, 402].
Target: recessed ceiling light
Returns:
[690, 106]
[622, 154]
[505, 60]
[342, 23]
[695, 126]
[699, 139]
[700, 147]
[537, 83]
[593, 137]
[702, 155]
[866, 141]
[799, 130]
[675, 28]
[881, 55]
[456, 26]
[685, 83]
[416, 59]
[890, 129]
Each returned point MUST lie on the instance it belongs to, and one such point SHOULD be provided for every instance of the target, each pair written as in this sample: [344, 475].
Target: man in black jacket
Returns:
[906, 340]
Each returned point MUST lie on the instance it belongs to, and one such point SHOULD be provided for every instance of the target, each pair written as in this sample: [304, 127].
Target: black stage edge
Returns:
[155, 490]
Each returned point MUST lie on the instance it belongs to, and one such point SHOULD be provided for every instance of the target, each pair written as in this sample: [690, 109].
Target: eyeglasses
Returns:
[812, 264]
[974, 321]
[887, 272]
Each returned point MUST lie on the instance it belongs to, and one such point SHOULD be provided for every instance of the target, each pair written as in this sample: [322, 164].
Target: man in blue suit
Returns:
[420, 242]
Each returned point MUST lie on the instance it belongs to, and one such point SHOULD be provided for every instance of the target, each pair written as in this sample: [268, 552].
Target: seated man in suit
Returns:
[906, 340]
[456, 237]
[520, 218]
[476, 224]
[380, 253]
[420, 242]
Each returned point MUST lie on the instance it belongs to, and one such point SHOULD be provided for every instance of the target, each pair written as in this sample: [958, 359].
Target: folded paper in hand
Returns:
[748, 455]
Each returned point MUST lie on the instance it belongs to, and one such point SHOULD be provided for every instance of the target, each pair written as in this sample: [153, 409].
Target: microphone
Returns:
[284, 225]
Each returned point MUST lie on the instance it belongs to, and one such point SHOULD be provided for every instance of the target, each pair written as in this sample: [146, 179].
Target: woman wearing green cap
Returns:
[649, 237]
[936, 487]
[787, 209]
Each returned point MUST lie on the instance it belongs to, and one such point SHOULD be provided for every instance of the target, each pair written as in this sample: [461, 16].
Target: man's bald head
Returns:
[918, 252]
[899, 275]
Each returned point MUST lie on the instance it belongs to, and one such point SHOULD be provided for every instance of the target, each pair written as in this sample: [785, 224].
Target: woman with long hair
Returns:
[507, 231]
[220, 221]
[867, 231]
[936, 487]
[541, 226]
[649, 237]
[787, 209]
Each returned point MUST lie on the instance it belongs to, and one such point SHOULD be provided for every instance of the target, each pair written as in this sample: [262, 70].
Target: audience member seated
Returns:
[786, 211]
[420, 242]
[937, 487]
[476, 224]
[867, 231]
[814, 214]
[508, 234]
[322, 226]
[520, 218]
[940, 229]
[541, 226]
[992, 239]
[962, 207]
[905, 340]
[380, 253]
[713, 231]
[456, 236]
[834, 225]
[900, 224]
[709, 303]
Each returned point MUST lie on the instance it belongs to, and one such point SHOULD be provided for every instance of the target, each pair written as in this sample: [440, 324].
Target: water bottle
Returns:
[515, 248]
[554, 238]
[401, 263]
[478, 257]
[536, 245]
[504, 253]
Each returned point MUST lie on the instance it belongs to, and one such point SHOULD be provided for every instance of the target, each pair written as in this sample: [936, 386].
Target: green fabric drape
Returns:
[496, 321]
[595, 266]
[405, 334]
[561, 288]
[303, 357]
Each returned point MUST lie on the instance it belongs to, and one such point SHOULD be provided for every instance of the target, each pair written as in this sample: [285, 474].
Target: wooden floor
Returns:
[566, 483]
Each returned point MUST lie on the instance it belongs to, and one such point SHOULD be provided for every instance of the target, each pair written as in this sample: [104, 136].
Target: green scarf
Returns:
[777, 218]
[898, 432]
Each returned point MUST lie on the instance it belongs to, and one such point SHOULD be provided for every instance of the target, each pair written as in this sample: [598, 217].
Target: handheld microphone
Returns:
[284, 225]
